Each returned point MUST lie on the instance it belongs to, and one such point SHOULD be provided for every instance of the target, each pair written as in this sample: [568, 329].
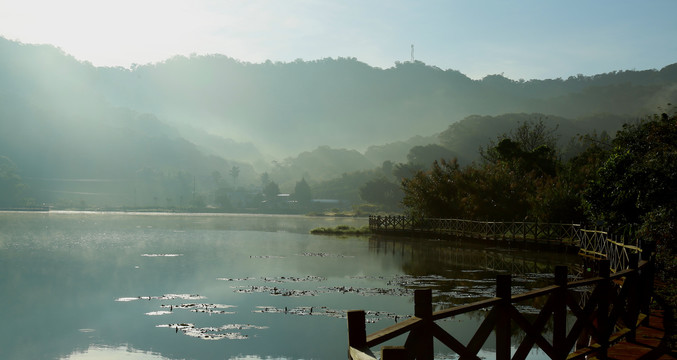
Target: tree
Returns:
[529, 136]
[216, 176]
[640, 174]
[425, 155]
[11, 187]
[433, 193]
[265, 179]
[222, 199]
[271, 190]
[302, 192]
[234, 173]
[382, 192]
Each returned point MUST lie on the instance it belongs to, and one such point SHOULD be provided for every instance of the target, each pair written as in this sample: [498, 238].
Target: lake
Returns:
[183, 286]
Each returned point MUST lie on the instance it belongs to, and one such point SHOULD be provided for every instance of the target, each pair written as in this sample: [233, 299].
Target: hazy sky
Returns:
[521, 39]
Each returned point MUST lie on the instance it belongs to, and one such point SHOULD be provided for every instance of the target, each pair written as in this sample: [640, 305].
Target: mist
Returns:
[212, 132]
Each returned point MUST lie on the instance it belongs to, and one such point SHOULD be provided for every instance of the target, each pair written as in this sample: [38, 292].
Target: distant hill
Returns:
[468, 135]
[199, 117]
[291, 107]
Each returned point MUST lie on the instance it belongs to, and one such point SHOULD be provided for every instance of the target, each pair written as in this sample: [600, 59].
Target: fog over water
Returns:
[97, 286]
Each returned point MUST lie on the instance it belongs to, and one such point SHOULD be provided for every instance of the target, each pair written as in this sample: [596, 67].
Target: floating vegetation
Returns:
[213, 333]
[279, 279]
[322, 254]
[125, 299]
[161, 255]
[266, 257]
[284, 279]
[198, 308]
[341, 230]
[275, 291]
[369, 291]
[371, 316]
[157, 313]
[163, 297]
[236, 279]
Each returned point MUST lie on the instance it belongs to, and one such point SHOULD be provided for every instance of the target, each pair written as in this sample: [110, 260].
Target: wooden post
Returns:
[634, 296]
[394, 353]
[536, 231]
[560, 312]
[603, 325]
[423, 308]
[647, 279]
[503, 291]
[357, 331]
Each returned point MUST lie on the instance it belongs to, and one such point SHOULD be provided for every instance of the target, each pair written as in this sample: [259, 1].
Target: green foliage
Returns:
[640, 174]
[11, 186]
[518, 180]
[271, 190]
[302, 192]
[341, 230]
[383, 192]
[434, 193]
[222, 199]
[425, 155]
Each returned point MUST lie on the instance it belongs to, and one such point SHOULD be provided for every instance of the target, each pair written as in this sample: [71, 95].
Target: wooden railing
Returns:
[599, 245]
[595, 244]
[566, 234]
[616, 305]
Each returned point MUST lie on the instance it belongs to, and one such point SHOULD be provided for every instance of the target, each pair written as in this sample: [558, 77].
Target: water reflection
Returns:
[113, 353]
[259, 285]
[462, 271]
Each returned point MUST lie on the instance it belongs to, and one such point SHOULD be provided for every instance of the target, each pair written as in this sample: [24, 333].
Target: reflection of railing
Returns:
[471, 257]
[616, 306]
[591, 243]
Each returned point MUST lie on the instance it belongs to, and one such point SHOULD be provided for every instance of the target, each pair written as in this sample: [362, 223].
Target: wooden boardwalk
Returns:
[591, 244]
[649, 344]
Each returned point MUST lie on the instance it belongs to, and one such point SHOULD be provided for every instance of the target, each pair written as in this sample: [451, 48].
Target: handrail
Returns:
[594, 244]
[622, 306]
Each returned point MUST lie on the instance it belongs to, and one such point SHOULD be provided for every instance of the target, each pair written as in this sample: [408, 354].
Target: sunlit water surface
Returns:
[168, 286]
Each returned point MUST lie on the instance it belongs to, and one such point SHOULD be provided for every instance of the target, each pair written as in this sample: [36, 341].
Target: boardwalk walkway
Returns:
[649, 344]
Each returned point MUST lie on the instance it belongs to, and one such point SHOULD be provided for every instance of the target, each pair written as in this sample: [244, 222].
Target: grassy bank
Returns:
[341, 230]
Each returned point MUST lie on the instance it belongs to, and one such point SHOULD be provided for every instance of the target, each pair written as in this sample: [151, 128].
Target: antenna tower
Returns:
[412, 52]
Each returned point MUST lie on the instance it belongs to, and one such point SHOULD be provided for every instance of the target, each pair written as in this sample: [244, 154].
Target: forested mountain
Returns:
[165, 133]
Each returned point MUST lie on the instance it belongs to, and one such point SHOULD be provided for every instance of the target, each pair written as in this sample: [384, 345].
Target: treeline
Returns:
[627, 183]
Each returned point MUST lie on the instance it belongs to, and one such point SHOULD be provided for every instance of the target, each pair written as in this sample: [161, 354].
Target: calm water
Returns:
[151, 286]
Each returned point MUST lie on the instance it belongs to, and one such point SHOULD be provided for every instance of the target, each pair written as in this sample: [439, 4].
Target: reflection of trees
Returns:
[462, 272]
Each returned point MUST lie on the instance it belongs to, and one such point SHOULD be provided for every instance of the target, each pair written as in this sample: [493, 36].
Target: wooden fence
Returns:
[565, 234]
[594, 244]
[616, 305]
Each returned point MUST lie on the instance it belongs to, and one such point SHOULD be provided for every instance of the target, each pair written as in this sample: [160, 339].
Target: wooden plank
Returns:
[360, 354]
[584, 282]
[453, 344]
[394, 353]
[534, 293]
[534, 334]
[462, 309]
[483, 332]
[357, 333]
[392, 331]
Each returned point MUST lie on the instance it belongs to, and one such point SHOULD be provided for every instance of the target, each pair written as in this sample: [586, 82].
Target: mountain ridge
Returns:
[213, 113]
